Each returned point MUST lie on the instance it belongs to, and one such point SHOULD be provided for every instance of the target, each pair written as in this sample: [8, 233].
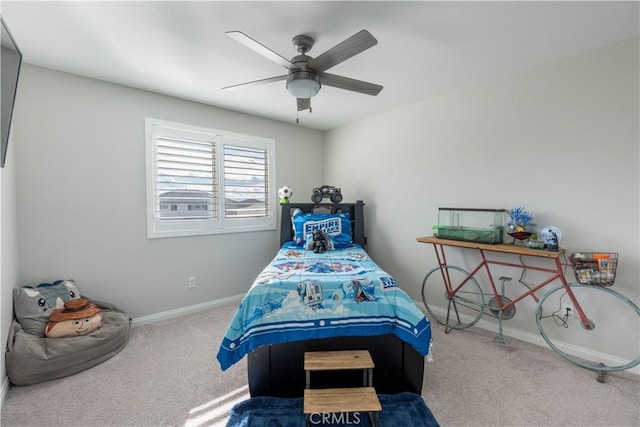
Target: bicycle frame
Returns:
[556, 273]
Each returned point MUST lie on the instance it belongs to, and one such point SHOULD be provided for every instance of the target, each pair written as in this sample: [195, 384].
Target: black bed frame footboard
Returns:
[278, 370]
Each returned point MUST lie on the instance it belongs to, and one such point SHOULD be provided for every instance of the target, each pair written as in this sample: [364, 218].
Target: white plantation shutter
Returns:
[205, 181]
[246, 182]
[185, 179]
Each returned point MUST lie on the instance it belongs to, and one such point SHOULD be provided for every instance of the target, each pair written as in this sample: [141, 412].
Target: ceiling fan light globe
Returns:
[303, 84]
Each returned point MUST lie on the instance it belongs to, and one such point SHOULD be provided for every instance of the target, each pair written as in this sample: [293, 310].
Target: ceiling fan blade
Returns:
[240, 37]
[350, 84]
[304, 103]
[256, 82]
[350, 47]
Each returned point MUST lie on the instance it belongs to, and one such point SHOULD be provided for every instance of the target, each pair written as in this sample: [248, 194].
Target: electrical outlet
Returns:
[191, 283]
[567, 310]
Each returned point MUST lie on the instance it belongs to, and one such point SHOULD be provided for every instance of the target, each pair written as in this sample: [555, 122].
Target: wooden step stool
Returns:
[336, 400]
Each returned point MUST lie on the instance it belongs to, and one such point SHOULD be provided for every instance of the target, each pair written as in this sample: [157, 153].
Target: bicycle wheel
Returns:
[611, 343]
[459, 311]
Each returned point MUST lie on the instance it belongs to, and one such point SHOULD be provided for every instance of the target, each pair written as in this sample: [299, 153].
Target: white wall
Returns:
[561, 140]
[8, 254]
[80, 189]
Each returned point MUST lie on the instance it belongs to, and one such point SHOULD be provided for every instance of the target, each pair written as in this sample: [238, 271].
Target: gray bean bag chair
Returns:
[31, 359]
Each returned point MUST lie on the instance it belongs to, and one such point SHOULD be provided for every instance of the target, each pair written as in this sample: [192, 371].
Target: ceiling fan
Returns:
[306, 75]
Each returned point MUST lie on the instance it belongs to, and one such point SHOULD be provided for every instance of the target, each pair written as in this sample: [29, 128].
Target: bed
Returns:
[338, 299]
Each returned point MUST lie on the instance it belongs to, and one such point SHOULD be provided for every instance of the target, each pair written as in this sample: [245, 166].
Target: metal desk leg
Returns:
[374, 418]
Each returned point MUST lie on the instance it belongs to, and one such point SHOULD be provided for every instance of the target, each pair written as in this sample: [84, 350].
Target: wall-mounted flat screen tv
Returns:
[10, 61]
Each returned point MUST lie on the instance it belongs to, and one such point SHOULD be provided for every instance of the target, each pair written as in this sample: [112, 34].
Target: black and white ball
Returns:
[285, 192]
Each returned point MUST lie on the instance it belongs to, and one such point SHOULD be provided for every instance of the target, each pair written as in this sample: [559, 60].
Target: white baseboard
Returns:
[165, 315]
[537, 339]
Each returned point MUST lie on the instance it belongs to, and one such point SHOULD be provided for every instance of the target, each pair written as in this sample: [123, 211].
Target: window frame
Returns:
[220, 224]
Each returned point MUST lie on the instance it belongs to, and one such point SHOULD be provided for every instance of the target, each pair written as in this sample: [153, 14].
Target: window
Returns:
[206, 181]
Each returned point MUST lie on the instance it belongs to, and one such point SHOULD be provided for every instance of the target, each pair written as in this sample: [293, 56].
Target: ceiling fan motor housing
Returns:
[302, 82]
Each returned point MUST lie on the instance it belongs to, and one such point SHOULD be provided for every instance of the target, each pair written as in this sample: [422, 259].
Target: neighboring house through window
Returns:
[207, 181]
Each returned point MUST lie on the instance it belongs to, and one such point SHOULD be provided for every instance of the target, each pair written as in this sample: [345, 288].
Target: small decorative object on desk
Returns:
[534, 243]
[520, 225]
[594, 268]
[551, 237]
[285, 193]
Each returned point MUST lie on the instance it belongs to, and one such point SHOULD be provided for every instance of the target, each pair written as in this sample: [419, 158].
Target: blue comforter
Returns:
[302, 295]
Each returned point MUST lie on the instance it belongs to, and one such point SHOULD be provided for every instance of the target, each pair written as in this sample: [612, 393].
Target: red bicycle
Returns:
[585, 322]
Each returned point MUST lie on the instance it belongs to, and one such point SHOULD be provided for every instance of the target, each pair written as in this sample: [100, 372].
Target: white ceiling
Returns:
[425, 48]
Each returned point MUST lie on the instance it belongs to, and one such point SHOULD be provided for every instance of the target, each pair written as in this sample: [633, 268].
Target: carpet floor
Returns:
[167, 375]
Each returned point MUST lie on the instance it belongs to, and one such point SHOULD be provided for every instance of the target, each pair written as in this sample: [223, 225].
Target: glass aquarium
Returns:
[471, 225]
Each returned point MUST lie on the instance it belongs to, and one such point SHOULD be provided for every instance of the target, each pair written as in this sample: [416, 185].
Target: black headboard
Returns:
[355, 211]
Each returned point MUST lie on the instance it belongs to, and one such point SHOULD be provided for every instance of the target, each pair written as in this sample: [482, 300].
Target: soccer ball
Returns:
[285, 193]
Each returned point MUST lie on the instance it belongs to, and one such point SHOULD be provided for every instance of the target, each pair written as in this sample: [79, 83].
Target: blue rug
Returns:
[404, 409]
